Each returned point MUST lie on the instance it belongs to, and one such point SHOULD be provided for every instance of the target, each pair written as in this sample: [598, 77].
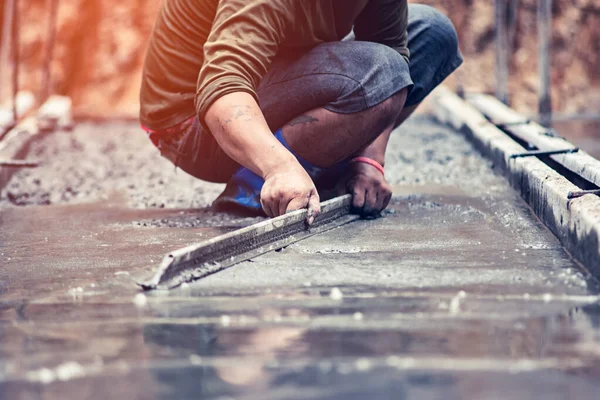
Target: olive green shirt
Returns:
[201, 50]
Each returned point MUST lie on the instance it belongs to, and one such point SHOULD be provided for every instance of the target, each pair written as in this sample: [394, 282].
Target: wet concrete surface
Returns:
[458, 292]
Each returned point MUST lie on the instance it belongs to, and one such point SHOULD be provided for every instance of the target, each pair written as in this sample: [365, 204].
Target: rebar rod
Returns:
[19, 164]
[544, 27]
[501, 51]
[46, 83]
[5, 45]
[16, 30]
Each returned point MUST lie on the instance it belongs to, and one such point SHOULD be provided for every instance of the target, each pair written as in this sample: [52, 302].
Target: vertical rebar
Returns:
[544, 25]
[513, 22]
[46, 83]
[16, 39]
[501, 51]
[5, 46]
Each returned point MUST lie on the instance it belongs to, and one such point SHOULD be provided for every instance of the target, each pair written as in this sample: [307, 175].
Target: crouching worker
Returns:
[273, 98]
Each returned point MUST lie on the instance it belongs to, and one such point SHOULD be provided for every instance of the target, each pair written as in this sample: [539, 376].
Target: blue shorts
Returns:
[343, 77]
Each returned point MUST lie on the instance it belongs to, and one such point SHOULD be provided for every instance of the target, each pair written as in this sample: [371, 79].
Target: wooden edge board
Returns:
[222, 252]
[579, 163]
[576, 223]
[19, 163]
[15, 144]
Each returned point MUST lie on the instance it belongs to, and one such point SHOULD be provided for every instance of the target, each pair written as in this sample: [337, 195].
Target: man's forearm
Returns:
[238, 125]
[376, 149]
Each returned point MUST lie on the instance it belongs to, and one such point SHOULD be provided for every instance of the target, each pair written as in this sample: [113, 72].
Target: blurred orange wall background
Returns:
[101, 43]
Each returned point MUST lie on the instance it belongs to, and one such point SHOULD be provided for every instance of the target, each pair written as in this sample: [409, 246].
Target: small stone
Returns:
[393, 361]
[336, 294]
[454, 307]
[140, 300]
[69, 370]
[363, 364]
[46, 376]
[195, 359]
[358, 316]
[547, 298]
[325, 367]
[225, 320]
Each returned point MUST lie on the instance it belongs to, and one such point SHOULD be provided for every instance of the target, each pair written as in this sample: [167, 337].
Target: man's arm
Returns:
[244, 39]
[241, 130]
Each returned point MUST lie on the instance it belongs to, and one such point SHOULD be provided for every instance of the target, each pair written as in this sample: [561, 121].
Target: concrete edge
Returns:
[15, 145]
[25, 102]
[579, 163]
[576, 223]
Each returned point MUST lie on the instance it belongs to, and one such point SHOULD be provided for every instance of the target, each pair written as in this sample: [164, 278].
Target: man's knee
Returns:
[373, 72]
[440, 31]
[385, 114]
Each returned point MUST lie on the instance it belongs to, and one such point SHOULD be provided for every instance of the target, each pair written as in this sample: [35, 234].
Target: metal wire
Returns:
[46, 83]
[5, 46]
[501, 51]
[506, 15]
[15, 59]
[19, 164]
[544, 22]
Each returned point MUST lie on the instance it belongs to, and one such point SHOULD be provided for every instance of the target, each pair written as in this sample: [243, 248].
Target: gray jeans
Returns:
[343, 77]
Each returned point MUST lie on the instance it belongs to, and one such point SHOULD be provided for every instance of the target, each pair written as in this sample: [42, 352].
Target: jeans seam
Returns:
[360, 85]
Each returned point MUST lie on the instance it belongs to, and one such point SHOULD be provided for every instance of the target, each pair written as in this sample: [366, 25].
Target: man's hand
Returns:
[289, 188]
[370, 191]
[237, 123]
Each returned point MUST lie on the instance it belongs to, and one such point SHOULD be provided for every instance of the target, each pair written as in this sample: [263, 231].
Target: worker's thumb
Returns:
[314, 207]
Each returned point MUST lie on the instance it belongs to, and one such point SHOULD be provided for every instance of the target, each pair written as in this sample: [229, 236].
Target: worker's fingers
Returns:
[314, 207]
[275, 206]
[369, 209]
[297, 203]
[266, 209]
[284, 205]
[266, 201]
[381, 195]
[358, 198]
[386, 201]
[384, 193]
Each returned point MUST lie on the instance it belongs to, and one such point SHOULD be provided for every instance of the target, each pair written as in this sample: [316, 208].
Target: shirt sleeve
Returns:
[245, 36]
[385, 22]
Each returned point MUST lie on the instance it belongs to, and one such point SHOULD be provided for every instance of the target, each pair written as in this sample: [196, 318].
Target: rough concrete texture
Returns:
[575, 222]
[458, 293]
[99, 161]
